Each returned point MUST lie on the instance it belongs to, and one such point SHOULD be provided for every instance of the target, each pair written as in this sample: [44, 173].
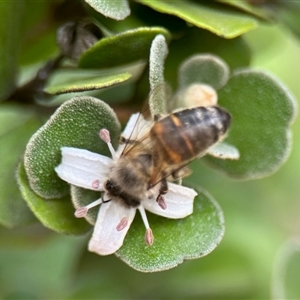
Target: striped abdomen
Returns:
[186, 134]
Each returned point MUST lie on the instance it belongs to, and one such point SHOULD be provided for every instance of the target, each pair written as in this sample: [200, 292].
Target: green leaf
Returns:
[288, 14]
[11, 15]
[158, 99]
[199, 77]
[55, 214]
[38, 43]
[262, 111]
[88, 84]
[158, 54]
[218, 19]
[285, 283]
[248, 8]
[117, 10]
[175, 240]
[235, 52]
[141, 16]
[39, 48]
[123, 48]
[75, 124]
[207, 69]
[16, 127]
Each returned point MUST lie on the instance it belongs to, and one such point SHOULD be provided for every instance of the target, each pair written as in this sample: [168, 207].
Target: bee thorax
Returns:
[128, 182]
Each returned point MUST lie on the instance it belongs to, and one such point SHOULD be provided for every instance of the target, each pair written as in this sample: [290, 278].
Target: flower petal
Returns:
[136, 127]
[112, 224]
[83, 168]
[130, 125]
[179, 202]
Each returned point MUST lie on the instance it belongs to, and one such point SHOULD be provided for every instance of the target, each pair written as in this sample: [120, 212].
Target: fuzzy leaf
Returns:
[123, 48]
[158, 99]
[117, 10]
[223, 151]
[175, 240]
[56, 214]
[207, 69]
[262, 111]
[76, 124]
[11, 13]
[16, 126]
[235, 52]
[158, 54]
[88, 84]
[218, 19]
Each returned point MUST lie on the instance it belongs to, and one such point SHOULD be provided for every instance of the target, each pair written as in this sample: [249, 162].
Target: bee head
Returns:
[112, 188]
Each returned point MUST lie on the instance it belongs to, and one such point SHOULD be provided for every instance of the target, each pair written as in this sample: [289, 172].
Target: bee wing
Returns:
[165, 172]
[138, 126]
[136, 137]
[135, 134]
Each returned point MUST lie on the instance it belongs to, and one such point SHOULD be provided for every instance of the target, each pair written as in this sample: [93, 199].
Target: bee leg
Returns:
[157, 117]
[162, 190]
[123, 140]
[180, 173]
[163, 187]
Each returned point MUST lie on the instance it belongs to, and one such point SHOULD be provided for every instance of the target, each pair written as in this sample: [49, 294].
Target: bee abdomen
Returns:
[186, 134]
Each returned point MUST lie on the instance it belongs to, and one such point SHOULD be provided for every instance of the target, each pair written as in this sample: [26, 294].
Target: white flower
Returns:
[90, 170]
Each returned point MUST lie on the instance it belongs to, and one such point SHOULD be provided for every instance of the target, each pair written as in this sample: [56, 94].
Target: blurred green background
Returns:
[261, 215]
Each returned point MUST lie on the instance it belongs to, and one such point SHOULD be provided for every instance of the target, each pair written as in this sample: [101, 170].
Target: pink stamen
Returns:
[81, 212]
[149, 237]
[122, 224]
[95, 184]
[161, 202]
[104, 135]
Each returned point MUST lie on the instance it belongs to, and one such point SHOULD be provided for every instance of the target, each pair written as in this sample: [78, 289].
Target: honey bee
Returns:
[162, 152]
